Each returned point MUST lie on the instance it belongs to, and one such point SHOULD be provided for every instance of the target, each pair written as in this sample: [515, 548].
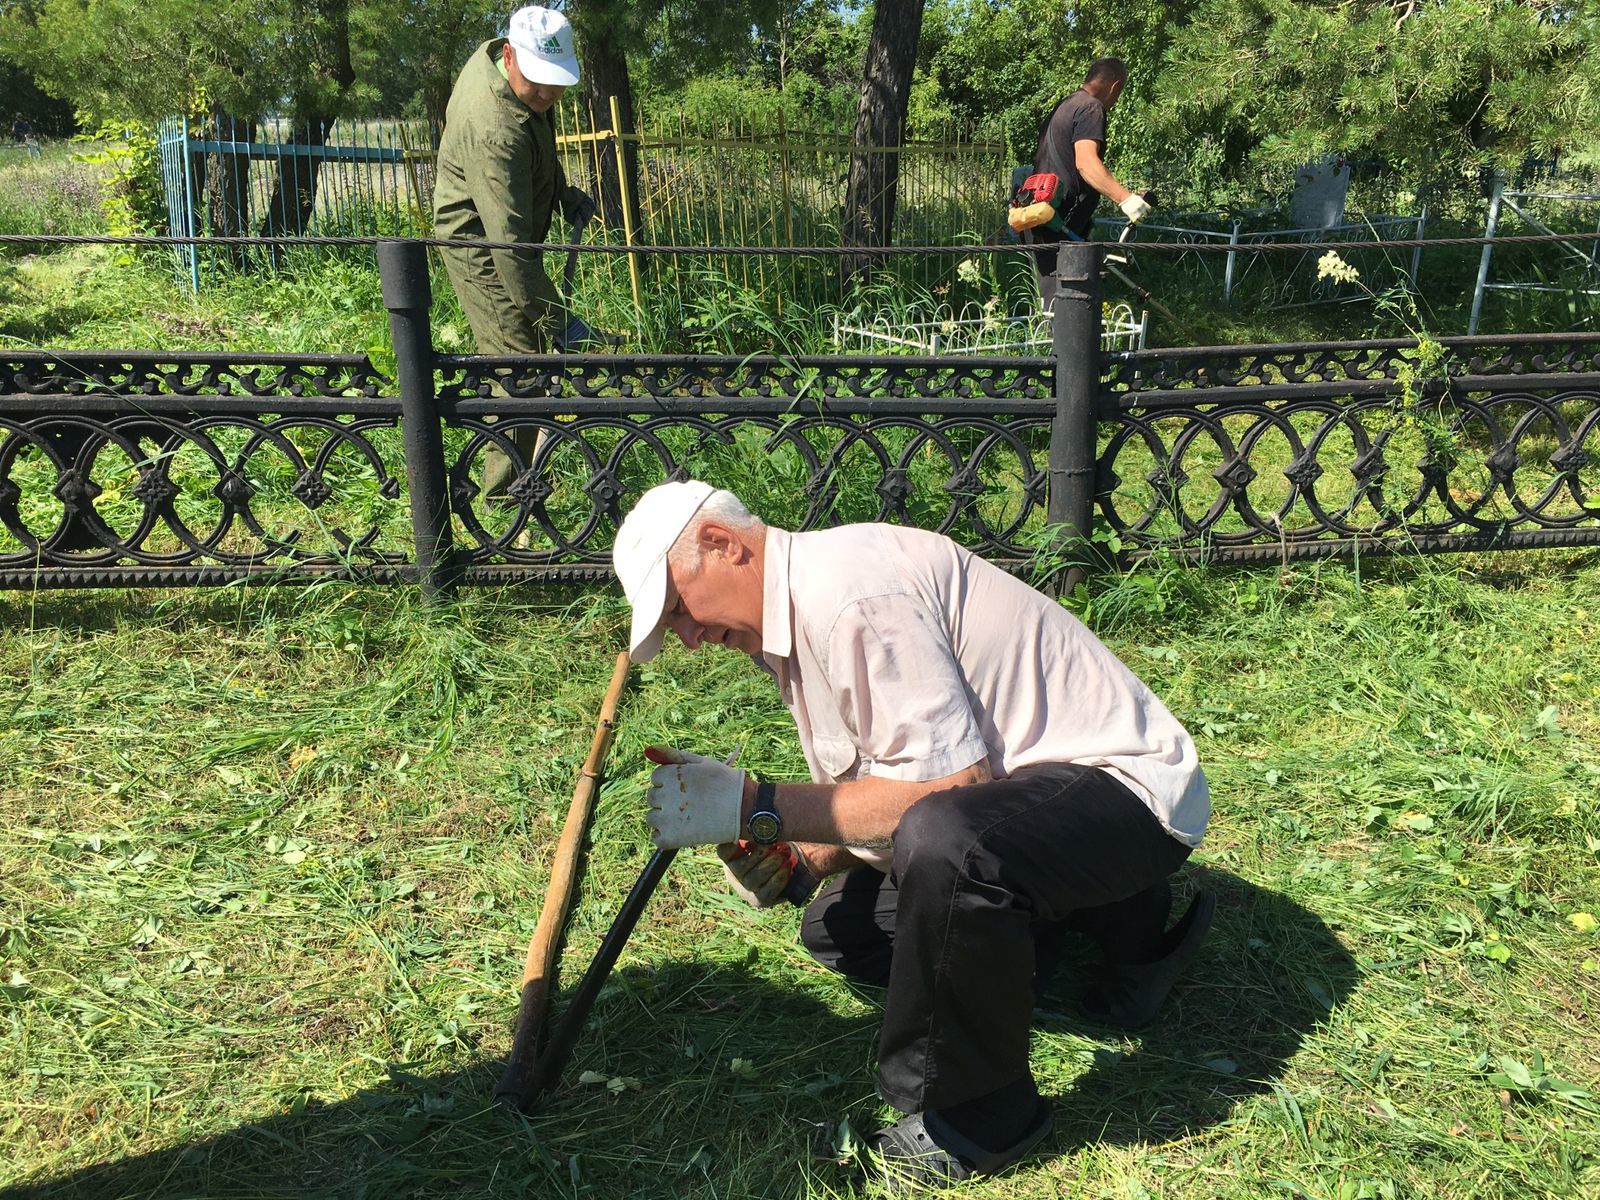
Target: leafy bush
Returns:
[133, 197]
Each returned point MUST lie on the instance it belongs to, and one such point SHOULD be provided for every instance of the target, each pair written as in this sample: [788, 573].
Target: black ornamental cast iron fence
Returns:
[133, 468]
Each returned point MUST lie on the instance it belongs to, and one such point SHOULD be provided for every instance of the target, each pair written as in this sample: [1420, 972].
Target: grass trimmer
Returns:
[1138, 288]
[535, 1064]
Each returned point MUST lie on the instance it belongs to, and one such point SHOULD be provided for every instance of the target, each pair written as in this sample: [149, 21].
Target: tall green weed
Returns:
[57, 193]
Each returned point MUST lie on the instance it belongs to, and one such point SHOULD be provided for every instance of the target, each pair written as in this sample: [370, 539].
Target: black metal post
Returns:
[403, 270]
[1075, 343]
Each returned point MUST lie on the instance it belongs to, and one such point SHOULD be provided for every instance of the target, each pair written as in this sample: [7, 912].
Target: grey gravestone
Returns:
[1319, 193]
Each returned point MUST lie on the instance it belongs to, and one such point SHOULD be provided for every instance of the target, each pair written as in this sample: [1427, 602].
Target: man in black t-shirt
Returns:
[1072, 144]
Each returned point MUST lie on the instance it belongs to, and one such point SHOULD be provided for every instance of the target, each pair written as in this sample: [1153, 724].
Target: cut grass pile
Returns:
[270, 861]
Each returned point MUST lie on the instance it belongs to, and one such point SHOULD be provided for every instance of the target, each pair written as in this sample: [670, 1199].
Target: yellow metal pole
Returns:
[739, 214]
[599, 177]
[783, 169]
[722, 238]
[688, 195]
[627, 205]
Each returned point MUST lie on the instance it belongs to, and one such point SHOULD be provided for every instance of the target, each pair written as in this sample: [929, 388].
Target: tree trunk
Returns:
[227, 181]
[294, 194]
[605, 74]
[880, 127]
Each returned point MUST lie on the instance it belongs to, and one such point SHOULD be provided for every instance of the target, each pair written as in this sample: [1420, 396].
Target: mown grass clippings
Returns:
[272, 858]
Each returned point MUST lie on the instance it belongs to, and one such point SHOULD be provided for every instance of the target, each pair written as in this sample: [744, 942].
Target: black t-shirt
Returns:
[1078, 118]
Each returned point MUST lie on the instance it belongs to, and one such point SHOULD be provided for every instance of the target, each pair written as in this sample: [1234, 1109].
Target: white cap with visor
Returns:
[640, 557]
[542, 39]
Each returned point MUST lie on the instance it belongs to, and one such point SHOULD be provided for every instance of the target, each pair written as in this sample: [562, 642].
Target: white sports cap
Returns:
[542, 39]
[640, 557]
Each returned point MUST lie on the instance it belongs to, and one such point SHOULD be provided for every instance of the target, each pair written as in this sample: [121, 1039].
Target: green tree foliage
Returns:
[1430, 83]
[149, 59]
[999, 66]
[804, 58]
[408, 55]
[20, 96]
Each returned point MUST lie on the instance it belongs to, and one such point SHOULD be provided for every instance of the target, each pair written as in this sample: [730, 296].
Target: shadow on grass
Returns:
[724, 1080]
[24, 320]
[1269, 974]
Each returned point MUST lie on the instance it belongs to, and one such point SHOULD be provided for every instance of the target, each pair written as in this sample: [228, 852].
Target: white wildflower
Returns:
[1331, 266]
[968, 270]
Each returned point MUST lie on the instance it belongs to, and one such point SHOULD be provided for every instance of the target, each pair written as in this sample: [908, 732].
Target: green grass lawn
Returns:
[271, 860]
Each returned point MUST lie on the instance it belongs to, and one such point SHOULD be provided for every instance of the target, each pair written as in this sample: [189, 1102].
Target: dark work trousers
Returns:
[984, 878]
[1044, 262]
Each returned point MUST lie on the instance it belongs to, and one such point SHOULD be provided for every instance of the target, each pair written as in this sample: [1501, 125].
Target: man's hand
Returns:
[694, 800]
[577, 335]
[758, 875]
[763, 875]
[578, 207]
[1136, 208]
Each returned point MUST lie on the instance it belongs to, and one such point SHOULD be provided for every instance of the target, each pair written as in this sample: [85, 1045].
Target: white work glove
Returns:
[758, 875]
[1136, 208]
[694, 800]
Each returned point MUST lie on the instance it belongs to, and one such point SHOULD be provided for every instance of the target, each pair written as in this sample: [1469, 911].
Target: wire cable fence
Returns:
[758, 200]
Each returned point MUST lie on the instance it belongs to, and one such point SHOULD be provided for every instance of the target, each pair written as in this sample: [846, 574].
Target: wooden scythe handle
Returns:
[539, 970]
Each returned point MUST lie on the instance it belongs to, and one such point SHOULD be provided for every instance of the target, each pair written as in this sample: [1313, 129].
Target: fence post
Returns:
[627, 205]
[403, 272]
[1233, 254]
[1488, 249]
[1075, 345]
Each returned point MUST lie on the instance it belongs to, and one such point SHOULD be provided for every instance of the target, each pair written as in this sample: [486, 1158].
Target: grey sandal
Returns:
[924, 1150]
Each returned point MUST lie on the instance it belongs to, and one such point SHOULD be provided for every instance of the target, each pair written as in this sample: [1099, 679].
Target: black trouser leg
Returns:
[977, 872]
[849, 925]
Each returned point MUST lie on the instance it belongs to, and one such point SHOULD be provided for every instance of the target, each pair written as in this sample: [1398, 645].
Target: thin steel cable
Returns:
[801, 251]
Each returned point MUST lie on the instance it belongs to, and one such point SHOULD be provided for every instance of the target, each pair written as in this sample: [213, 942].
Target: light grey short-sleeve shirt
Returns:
[901, 655]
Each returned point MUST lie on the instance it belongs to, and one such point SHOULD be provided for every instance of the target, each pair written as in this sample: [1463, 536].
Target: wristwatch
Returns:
[764, 825]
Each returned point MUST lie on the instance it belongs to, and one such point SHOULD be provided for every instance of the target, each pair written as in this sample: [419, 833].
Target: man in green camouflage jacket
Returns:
[499, 180]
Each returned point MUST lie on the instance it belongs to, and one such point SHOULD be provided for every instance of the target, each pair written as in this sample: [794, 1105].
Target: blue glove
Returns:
[577, 335]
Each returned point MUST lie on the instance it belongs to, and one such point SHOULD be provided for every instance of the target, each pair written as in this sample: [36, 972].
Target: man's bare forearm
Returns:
[862, 812]
[824, 861]
[1099, 177]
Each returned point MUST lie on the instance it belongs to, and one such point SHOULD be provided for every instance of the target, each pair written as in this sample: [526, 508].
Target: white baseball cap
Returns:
[542, 39]
[640, 557]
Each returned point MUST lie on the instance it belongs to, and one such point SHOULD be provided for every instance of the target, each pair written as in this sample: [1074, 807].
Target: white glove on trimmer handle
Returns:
[1135, 208]
[694, 800]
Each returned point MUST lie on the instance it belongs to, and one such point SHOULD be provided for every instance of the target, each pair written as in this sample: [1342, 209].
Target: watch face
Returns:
[765, 827]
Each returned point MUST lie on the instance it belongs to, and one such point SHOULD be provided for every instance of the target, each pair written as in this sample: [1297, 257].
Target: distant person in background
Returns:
[500, 180]
[22, 134]
[1072, 145]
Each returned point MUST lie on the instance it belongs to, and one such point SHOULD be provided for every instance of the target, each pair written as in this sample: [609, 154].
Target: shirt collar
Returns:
[777, 622]
[500, 79]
